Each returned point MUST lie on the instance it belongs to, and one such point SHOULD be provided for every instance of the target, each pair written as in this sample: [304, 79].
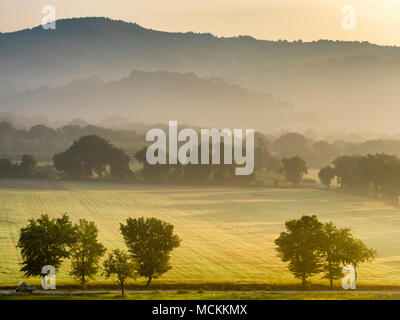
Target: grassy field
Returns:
[192, 295]
[227, 232]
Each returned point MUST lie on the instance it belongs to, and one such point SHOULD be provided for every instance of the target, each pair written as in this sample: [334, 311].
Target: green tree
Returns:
[371, 168]
[120, 265]
[86, 252]
[294, 169]
[45, 241]
[6, 168]
[300, 247]
[155, 173]
[150, 241]
[326, 175]
[92, 156]
[355, 252]
[347, 169]
[389, 179]
[333, 250]
[27, 166]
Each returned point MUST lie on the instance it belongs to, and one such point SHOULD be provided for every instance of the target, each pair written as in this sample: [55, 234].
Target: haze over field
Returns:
[227, 233]
[77, 102]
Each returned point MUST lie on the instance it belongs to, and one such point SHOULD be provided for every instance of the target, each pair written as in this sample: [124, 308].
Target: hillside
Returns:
[151, 97]
[334, 84]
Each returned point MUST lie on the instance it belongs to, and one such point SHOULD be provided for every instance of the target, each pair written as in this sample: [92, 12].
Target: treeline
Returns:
[321, 153]
[149, 241]
[311, 247]
[26, 168]
[94, 157]
[377, 175]
[43, 141]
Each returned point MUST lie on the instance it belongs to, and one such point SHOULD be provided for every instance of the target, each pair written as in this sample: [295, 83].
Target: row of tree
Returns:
[44, 141]
[93, 156]
[377, 174]
[46, 241]
[24, 169]
[311, 247]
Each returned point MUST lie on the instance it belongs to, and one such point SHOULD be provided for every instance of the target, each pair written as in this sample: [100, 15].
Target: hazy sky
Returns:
[377, 20]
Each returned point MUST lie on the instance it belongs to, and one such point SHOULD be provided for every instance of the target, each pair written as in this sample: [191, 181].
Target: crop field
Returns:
[227, 232]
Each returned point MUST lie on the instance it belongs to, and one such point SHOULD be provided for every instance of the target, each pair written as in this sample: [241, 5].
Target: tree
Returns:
[150, 241]
[294, 169]
[86, 252]
[27, 166]
[333, 248]
[42, 132]
[347, 169]
[292, 144]
[120, 265]
[389, 179]
[372, 168]
[355, 252]
[45, 241]
[326, 176]
[92, 156]
[154, 173]
[7, 169]
[300, 247]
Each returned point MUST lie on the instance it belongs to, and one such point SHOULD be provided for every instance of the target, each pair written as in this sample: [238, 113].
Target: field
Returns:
[193, 295]
[227, 232]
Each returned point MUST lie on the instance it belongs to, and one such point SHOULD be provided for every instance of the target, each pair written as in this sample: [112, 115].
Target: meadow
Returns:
[227, 232]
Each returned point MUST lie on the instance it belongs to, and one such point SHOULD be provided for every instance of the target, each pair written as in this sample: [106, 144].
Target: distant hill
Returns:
[150, 97]
[339, 84]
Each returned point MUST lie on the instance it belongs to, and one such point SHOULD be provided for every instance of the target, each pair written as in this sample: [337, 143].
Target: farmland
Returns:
[227, 232]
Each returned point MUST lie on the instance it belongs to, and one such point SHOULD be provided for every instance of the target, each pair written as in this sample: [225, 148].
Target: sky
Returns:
[376, 21]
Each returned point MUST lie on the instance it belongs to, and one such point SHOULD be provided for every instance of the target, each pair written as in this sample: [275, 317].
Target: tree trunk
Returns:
[83, 268]
[149, 281]
[122, 288]
[331, 282]
[303, 281]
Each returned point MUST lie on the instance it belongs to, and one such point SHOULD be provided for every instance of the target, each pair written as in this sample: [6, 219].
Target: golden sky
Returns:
[377, 21]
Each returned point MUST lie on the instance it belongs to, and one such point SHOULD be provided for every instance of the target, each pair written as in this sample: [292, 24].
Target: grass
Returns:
[193, 295]
[227, 232]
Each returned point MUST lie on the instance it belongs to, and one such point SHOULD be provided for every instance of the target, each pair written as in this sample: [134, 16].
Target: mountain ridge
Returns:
[345, 83]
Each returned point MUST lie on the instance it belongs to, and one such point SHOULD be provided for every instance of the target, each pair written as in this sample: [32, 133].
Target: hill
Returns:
[337, 84]
[150, 97]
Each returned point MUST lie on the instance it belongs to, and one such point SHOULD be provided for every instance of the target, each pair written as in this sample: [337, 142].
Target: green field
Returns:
[193, 295]
[227, 232]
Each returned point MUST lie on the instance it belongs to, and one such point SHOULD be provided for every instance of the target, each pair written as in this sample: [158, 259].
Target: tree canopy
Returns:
[311, 247]
[293, 169]
[92, 156]
[300, 247]
[119, 264]
[86, 252]
[45, 241]
[150, 242]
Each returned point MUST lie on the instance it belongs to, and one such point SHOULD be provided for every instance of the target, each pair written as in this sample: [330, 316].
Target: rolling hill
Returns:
[332, 84]
[151, 97]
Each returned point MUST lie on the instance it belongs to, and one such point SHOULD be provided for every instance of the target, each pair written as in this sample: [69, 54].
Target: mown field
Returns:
[227, 232]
